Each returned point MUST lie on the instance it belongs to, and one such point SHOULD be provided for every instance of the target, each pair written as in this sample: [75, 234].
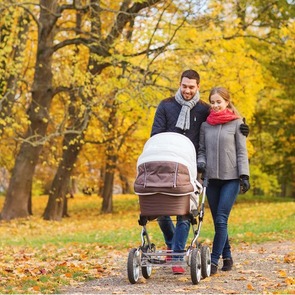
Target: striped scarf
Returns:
[183, 121]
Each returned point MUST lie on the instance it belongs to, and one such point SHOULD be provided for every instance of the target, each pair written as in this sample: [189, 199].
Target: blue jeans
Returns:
[175, 236]
[221, 195]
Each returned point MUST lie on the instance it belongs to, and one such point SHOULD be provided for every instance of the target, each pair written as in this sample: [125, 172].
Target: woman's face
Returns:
[218, 103]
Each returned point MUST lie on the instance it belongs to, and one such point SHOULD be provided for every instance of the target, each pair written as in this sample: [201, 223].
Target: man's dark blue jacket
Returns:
[167, 114]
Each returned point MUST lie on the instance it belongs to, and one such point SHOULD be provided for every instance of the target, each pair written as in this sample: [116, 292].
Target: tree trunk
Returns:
[107, 192]
[20, 185]
[73, 141]
[19, 189]
[124, 183]
[60, 185]
[101, 180]
[111, 159]
[59, 188]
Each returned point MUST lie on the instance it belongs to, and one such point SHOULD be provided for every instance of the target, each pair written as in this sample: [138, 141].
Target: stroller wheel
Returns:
[195, 266]
[147, 270]
[133, 264]
[205, 261]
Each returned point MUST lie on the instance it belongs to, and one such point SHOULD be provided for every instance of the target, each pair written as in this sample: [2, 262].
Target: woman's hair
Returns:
[224, 93]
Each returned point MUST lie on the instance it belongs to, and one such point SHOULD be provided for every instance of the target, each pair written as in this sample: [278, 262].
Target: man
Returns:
[183, 113]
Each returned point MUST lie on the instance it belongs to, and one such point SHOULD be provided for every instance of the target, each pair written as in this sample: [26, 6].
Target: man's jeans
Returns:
[175, 236]
[221, 195]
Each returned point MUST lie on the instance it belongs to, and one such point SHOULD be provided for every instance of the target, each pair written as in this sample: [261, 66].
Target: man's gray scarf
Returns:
[183, 121]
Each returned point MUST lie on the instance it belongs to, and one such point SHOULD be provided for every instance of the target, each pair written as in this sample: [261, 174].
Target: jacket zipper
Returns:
[217, 151]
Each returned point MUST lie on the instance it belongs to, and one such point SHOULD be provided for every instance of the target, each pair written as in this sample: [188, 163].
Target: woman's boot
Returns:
[227, 264]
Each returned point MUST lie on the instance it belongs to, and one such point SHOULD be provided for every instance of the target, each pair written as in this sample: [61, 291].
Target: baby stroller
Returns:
[167, 185]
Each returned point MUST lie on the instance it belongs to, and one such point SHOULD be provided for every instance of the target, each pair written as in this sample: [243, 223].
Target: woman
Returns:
[223, 155]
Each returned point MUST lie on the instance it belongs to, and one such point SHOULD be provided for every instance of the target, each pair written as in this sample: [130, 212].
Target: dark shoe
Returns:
[227, 264]
[213, 269]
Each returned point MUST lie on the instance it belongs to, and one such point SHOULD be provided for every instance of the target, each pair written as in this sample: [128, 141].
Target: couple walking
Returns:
[219, 136]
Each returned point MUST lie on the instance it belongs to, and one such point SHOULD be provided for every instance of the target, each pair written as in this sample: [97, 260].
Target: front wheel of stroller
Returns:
[196, 266]
[133, 264]
[205, 261]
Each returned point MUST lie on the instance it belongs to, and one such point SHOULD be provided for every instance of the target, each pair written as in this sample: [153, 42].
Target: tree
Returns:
[101, 51]
[110, 53]
[19, 190]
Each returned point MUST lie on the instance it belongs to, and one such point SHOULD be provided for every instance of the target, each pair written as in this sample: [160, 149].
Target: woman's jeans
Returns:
[175, 236]
[221, 195]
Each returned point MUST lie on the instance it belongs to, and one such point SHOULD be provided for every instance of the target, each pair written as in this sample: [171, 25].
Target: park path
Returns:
[267, 268]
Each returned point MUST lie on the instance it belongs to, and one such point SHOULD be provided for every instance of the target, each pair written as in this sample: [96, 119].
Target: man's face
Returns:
[188, 88]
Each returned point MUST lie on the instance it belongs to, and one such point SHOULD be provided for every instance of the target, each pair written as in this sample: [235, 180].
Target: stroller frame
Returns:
[146, 256]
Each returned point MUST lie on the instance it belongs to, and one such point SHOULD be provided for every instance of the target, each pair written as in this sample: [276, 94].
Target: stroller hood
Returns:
[167, 158]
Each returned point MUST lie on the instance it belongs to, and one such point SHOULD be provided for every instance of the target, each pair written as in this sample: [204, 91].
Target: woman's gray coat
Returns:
[223, 149]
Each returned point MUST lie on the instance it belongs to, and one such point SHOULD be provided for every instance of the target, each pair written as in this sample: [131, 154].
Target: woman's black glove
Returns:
[244, 128]
[244, 183]
[201, 167]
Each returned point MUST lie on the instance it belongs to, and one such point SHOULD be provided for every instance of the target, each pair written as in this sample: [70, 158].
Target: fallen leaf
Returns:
[289, 258]
[43, 271]
[36, 288]
[261, 250]
[290, 281]
[241, 279]
[68, 275]
[282, 274]
[250, 287]
[183, 279]
[231, 292]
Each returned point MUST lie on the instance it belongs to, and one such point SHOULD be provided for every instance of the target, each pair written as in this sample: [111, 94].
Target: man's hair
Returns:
[190, 74]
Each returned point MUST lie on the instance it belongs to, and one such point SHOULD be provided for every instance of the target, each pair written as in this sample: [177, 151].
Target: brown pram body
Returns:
[166, 175]
[166, 184]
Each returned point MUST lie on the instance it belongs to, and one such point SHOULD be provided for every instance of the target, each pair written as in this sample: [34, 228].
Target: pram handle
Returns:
[205, 182]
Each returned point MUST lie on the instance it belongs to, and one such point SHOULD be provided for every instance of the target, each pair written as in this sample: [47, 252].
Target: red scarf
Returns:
[221, 117]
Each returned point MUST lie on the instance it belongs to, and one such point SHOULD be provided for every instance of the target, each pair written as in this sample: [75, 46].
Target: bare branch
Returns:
[125, 16]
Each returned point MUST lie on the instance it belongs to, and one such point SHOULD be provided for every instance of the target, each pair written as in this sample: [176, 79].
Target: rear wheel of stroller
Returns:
[133, 264]
[196, 266]
[205, 261]
[147, 270]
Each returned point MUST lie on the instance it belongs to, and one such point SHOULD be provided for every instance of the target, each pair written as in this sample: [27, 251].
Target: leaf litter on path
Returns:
[266, 268]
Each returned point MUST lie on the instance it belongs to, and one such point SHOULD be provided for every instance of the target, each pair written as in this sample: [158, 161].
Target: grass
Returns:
[39, 256]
